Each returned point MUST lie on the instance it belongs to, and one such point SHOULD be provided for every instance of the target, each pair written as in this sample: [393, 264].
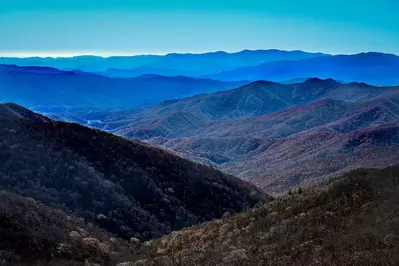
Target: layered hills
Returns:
[282, 136]
[169, 65]
[140, 185]
[372, 68]
[273, 65]
[126, 187]
[255, 99]
[50, 90]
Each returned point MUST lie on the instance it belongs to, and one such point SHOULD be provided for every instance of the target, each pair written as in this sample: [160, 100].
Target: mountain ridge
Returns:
[248, 130]
[129, 188]
[183, 64]
[79, 89]
[252, 100]
[363, 67]
[321, 226]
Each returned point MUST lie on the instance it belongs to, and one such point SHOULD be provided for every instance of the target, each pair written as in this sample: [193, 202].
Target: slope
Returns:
[34, 234]
[126, 187]
[280, 136]
[252, 100]
[304, 160]
[352, 221]
[301, 146]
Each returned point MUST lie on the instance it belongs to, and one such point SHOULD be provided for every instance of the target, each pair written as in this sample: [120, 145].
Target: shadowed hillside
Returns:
[126, 187]
[33, 234]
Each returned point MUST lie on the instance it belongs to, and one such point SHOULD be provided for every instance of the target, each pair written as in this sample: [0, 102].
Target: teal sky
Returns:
[121, 27]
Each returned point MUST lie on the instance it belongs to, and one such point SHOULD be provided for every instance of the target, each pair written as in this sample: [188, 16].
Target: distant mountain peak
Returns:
[328, 81]
[28, 68]
[377, 54]
[260, 83]
[362, 84]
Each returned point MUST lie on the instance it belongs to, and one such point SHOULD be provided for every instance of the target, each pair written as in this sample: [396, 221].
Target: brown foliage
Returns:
[352, 221]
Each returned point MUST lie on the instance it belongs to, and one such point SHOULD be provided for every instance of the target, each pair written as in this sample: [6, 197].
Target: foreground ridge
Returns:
[352, 221]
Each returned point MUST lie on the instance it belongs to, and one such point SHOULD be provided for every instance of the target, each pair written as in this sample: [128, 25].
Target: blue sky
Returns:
[119, 27]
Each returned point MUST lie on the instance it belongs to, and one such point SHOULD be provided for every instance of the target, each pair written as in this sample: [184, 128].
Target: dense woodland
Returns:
[351, 221]
[125, 187]
[31, 232]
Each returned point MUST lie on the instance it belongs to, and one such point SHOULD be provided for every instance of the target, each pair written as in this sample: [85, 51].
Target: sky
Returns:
[130, 27]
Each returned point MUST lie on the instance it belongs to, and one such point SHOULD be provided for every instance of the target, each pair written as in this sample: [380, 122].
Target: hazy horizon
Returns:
[122, 27]
[107, 54]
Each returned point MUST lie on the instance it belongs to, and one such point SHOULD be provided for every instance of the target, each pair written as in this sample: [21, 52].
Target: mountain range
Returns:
[279, 135]
[255, 99]
[273, 65]
[218, 159]
[61, 91]
[373, 68]
[170, 64]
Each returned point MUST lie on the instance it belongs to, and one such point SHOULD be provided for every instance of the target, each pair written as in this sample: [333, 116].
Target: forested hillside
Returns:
[126, 187]
[351, 221]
